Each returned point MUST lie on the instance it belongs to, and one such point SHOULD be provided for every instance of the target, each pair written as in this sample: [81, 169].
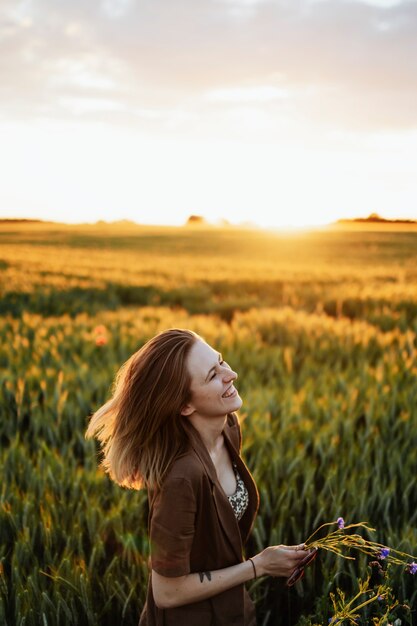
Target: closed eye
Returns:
[221, 362]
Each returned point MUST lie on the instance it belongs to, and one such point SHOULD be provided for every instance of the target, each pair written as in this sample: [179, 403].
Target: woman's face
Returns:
[213, 393]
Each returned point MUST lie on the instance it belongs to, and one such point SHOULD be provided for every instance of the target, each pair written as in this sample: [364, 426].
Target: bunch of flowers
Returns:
[338, 541]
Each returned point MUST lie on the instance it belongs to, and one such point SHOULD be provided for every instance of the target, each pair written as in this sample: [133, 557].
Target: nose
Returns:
[229, 374]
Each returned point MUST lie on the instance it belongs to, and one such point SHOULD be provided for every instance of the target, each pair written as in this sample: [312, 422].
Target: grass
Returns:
[321, 328]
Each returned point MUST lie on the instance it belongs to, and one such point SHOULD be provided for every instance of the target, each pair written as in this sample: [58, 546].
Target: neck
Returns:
[210, 431]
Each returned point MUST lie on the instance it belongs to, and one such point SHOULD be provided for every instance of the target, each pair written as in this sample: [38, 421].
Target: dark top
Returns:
[193, 528]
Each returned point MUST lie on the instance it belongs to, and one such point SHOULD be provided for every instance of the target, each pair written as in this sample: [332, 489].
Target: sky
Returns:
[270, 112]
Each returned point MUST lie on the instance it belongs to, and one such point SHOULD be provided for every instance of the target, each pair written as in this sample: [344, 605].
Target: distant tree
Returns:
[374, 217]
[18, 220]
[194, 220]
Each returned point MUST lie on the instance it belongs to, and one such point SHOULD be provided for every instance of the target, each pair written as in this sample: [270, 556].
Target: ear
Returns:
[187, 410]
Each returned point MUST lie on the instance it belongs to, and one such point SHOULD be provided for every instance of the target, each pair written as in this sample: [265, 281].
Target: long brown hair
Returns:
[140, 428]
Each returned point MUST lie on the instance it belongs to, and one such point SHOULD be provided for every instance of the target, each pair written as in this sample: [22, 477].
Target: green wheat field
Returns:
[320, 326]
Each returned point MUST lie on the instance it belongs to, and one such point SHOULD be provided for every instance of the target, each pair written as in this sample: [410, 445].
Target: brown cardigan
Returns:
[192, 528]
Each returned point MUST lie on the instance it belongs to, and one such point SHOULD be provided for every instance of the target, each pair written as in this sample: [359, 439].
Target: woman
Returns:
[171, 427]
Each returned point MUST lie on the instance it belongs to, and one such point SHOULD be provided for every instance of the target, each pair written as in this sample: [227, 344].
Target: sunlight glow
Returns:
[257, 114]
[87, 173]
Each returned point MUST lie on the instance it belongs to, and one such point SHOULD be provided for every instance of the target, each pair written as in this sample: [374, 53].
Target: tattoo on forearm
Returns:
[202, 574]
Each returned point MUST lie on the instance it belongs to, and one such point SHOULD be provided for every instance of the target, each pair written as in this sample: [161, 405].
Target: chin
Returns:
[237, 404]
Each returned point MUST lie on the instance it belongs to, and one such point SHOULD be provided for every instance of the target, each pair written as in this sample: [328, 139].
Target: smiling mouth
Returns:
[230, 392]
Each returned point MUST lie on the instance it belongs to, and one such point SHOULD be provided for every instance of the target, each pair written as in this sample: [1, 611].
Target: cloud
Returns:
[347, 63]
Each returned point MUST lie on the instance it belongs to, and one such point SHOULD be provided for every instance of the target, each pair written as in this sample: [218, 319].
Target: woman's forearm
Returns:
[272, 561]
[172, 592]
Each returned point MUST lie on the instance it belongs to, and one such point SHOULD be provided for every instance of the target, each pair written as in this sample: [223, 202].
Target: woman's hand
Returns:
[279, 560]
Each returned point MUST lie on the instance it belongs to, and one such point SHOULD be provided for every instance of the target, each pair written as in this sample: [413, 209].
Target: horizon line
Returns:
[200, 221]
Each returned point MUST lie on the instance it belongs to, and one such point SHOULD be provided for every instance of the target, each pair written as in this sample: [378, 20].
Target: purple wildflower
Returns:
[384, 553]
[412, 568]
[340, 522]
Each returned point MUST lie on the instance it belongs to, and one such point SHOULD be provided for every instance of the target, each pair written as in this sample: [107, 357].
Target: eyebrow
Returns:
[214, 367]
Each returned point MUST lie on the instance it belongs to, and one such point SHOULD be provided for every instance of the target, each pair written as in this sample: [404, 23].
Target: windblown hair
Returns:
[140, 428]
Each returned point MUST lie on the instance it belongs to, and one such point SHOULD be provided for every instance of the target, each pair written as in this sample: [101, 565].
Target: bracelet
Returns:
[254, 568]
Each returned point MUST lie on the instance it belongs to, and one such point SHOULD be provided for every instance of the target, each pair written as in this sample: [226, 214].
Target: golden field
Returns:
[321, 327]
